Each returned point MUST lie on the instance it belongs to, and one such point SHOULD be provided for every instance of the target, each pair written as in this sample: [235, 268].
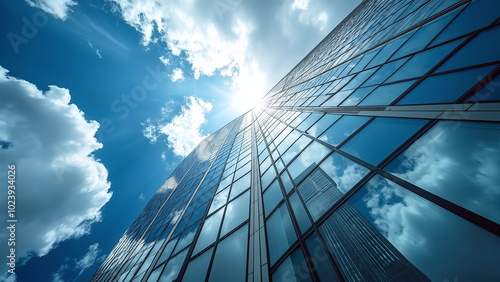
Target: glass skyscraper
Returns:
[376, 158]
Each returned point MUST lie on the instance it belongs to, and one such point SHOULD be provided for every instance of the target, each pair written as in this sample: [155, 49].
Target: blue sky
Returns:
[100, 101]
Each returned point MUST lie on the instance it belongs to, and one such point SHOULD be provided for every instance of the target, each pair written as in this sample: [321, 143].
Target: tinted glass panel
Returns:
[272, 196]
[342, 129]
[320, 259]
[449, 87]
[236, 212]
[280, 233]
[384, 72]
[230, 260]
[240, 185]
[357, 96]
[306, 161]
[421, 63]
[384, 95]
[300, 213]
[459, 162]
[172, 268]
[490, 92]
[406, 236]
[197, 268]
[209, 231]
[481, 49]
[293, 269]
[385, 134]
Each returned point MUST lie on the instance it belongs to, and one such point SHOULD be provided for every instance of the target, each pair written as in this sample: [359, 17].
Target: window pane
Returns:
[421, 63]
[359, 79]
[230, 260]
[209, 231]
[324, 187]
[236, 212]
[186, 237]
[300, 212]
[337, 99]
[406, 236]
[483, 12]
[293, 268]
[280, 233]
[197, 268]
[320, 259]
[272, 196]
[267, 177]
[357, 96]
[481, 49]
[287, 182]
[309, 158]
[309, 121]
[384, 72]
[219, 200]
[172, 268]
[300, 144]
[425, 34]
[490, 92]
[384, 95]
[322, 124]
[240, 185]
[450, 87]
[459, 162]
[384, 134]
[342, 129]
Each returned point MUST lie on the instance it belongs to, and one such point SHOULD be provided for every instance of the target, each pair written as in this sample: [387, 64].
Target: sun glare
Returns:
[246, 100]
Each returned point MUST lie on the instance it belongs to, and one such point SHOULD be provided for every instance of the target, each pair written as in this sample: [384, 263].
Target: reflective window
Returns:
[384, 72]
[389, 49]
[336, 99]
[320, 259]
[267, 177]
[240, 185]
[458, 161]
[342, 129]
[324, 187]
[230, 260]
[219, 200]
[483, 12]
[186, 237]
[490, 92]
[365, 60]
[280, 233]
[386, 94]
[322, 124]
[287, 182]
[197, 268]
[272, 196]
[293, 268]
[449, 86]
[299, 212]
[167, 251]
[425, 34]
[481, 49]
[309, 121]
[172, 268]
[307, 160]
[406, 236]
[421, 63]
[236, 212]
[300, 144]
[385, 134]
[359, 79]
[357, 96]
[209, 231]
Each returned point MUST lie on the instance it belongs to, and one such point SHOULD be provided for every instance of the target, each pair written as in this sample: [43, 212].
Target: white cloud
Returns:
[91, 257]
[58, 275]
[183, 131]
[164, 60]
[255, 43]
[58, 8]
[177, 75]
[141, 197]
[95, 49]
[62, 186]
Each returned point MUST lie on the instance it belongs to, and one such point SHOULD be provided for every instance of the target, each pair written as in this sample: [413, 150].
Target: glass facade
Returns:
[376, 158]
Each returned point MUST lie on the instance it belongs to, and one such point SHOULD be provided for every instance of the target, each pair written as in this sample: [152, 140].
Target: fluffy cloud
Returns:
[58, 8]
[61, 186]
[237, 39]
[183, 131]
[177, 75]
[91, 257]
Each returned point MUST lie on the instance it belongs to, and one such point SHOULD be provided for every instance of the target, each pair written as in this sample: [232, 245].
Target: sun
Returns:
[243, 101]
